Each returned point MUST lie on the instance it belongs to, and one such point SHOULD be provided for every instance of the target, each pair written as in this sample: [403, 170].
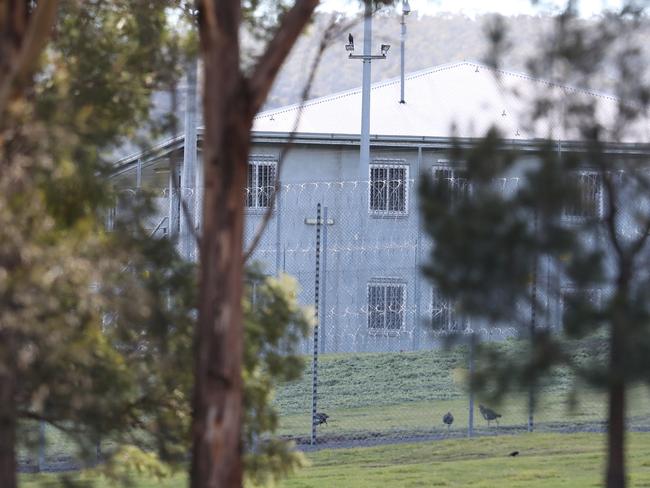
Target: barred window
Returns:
[260, 184]
[455, 181]
[386, 303]
[588, 200]
[388, 189]
[443, 314]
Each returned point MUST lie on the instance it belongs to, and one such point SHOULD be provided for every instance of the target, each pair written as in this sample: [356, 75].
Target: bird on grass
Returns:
[489, 414]
[514, 454]
[448, 419]
[320, 418]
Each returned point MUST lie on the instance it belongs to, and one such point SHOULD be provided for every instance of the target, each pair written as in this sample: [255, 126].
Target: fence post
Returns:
[187, 185]
[533, 325]
[174, 200]
[41, 445]
[470, 416]
[278, 230]
[98, 451]
[314, 369]
[321, 325]
[418, 245]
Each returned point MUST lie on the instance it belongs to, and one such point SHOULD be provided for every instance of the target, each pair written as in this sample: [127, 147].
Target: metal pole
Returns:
[470, 418]
[98, 451]
[402, 42]
[173, 200]
[138, 174]
[364, 161]
[188, 177]
[198, 195]
[278, 227]
[314, 367]
[324, 281]
[533, 324]
[41, 445]
[418, 243]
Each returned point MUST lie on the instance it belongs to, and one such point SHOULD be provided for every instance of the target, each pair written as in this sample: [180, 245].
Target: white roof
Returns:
[461, 99]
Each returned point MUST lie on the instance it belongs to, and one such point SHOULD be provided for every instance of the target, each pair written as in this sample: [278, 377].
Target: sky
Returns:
[587, 8]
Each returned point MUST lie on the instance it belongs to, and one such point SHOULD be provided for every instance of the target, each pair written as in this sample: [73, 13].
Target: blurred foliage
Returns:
[491, 245]
[91, 341]
[274, 326]
[97, 325]
[129, 462]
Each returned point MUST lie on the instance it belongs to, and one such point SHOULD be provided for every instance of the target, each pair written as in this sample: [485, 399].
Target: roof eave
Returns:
[442, 142]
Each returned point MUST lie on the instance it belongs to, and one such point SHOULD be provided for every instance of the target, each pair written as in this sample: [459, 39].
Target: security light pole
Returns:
[366, 57]
[188, 176]
[406, 9]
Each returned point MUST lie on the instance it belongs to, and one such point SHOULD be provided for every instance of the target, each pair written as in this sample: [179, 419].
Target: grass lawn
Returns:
[402, 394]
[90, 481]
[545, 460]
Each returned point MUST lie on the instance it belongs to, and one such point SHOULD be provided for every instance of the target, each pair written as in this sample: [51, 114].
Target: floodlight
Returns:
[406, 8]
[349, 47]
[384, 49]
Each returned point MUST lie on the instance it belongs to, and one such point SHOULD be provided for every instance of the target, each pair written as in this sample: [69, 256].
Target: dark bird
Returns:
[350, 39]
[489, 414]
[320, 418]
[448, 419]
[514, 453]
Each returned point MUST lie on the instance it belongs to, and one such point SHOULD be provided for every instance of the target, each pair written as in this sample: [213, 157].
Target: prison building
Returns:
[372, 245]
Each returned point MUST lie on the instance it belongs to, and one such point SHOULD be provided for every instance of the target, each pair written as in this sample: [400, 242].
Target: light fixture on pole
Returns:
[383, 50]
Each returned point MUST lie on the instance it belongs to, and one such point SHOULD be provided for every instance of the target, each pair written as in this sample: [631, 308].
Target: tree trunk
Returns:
[230, 103]
[218, 399]
[218, 395]
[24, 30]
[616, 437]
[7, 431]
[615, 477]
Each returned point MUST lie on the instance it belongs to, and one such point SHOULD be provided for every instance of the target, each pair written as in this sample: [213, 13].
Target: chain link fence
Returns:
[386, 372]
[44, 448]
[393, 355]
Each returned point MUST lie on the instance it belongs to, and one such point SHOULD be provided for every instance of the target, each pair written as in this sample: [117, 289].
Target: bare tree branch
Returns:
[330, 33]
[277, 50]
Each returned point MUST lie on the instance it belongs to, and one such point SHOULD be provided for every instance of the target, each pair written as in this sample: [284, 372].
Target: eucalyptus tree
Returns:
[75, 81]
[235, 87]
[97, 326]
